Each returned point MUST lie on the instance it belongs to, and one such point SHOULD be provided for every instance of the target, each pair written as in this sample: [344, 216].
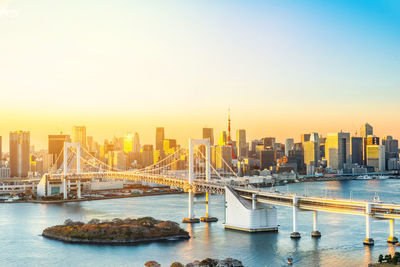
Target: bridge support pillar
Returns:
[191, 218]
[64, 181]
[369, 241]
[315, 233]
[208, 217]
[392, 239]
[65, 188]
[295, 234]
[78, 189]
[48, 187]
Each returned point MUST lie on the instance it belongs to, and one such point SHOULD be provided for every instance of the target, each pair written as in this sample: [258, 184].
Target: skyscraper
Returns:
[159, 138]
[289, 145]
[209, 133]
[128, 143]
[376, 157]
[366, 130]
[136, 143]
[222, 139]
[337, 150]
[19, 153]
[90, 143]
[267, 159]
[56, 146]
[241, 143]
[311, 150]
[305, 137]
[357, 150]
[223, 157]
[79, 135]
[169, 146]
[1, 149]
[269, 141]
[369, 140]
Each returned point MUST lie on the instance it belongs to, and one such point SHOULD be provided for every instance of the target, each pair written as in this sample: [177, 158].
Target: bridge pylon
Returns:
[392, 239]
[191, 217]
[295, 234]
[315, 233]
[369, 241]
[65, 183]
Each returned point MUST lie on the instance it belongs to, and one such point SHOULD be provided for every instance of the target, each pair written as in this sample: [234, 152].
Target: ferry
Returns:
[364, 177]
[11, 199]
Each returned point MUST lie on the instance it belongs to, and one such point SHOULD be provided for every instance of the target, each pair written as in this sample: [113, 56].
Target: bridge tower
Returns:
[65, 183]
[369, 241]
[295, 234]
[392, 239]
[191, 217]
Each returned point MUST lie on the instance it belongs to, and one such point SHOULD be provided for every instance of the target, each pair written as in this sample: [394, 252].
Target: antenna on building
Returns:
[229, 124]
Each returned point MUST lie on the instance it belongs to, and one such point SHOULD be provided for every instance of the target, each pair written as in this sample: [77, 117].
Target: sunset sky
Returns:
[283, 67]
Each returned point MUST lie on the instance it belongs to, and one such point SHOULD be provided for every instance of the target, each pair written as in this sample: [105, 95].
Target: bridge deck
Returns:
[378, 210]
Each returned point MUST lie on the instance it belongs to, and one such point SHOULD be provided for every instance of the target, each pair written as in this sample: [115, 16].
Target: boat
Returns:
[377, 199]
[11, 199]
[383, 177]
[364, 177]
[290, 260]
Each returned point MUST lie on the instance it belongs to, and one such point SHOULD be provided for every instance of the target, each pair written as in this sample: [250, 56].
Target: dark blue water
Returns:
[341, 243]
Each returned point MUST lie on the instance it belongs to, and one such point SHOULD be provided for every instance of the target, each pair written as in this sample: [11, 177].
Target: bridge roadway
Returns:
[346, 206]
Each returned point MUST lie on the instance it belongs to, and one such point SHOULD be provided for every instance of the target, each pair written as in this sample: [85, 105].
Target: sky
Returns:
[283, 67]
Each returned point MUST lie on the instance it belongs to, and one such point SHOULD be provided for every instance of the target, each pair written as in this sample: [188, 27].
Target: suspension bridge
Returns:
[246, 208]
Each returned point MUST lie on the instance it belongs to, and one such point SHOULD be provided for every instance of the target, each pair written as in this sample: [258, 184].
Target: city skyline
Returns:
[41, 141]
[131, 66]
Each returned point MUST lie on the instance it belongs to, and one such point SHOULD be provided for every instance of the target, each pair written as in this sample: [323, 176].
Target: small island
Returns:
[116, 232]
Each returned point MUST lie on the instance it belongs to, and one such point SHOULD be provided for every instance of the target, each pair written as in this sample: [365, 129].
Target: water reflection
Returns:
[341, 240]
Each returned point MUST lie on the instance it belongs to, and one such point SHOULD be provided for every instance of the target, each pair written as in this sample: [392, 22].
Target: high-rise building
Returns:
[159, 138]
[169, 146]
[289, 145]
[305, 138]
[356, 150]
[376, 157]
[79, 135]
[269, 141]
[241, 143]
[56, 148]
[117, 160]
[19, 153]
[146, 155]
[267, 158]
[90, 144]
[131, 143]
[391, 152]
[337, 150]
[222, 139]
[209, 133]
[296, 158]
[366, 130]
[136, 143]
[253, 147]
[223, 157]
[369, 140]
[311, 150]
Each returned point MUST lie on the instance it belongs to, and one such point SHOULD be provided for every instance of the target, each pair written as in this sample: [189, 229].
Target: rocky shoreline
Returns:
[112, 242]
[116, 232]
[208, 262]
